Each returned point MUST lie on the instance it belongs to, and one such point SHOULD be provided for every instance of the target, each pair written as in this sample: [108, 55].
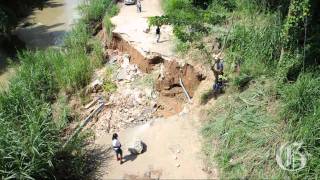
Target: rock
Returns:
[122, 75]
[113, 59]
[136, 147]
[177, 165]
[178, 151]
[95, 86]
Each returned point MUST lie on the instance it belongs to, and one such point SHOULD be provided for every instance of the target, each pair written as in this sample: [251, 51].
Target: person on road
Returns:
[158, 34]
[117, 147]
[139, 6]
[217, 68]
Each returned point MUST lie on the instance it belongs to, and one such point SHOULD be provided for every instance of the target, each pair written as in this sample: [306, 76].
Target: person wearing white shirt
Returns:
[117, 147]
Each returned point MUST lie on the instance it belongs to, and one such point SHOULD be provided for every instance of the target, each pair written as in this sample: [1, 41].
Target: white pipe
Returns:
[184, 90]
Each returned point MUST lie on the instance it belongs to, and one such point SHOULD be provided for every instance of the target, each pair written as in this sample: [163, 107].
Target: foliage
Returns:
[113, 10]
[301, 111]
[30, 134]
[293, 26]
[94, 10]
[78, 37]
[274, 40]
[246, 132]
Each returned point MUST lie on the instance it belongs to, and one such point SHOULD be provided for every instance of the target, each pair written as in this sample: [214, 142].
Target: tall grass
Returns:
[94, 10]
[30, 135]
[247, 134]
[302, 113]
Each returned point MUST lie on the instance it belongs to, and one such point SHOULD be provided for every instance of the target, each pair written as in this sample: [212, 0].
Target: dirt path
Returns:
[173, 151]
[131, 25]
[173, 143]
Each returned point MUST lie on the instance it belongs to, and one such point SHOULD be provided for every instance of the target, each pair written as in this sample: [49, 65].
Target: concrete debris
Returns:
[127, 71]
[130, 104]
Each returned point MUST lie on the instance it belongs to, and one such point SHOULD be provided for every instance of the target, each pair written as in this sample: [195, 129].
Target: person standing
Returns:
[139, 6]
[117, 147]
[217, 68]
[158, 33]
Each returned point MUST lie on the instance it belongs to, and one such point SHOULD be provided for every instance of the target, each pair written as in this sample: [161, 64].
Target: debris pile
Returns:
[130, 104]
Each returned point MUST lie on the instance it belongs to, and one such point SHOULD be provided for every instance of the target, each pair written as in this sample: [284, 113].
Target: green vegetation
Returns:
[274, 98]
[113, 10]
[31, 133]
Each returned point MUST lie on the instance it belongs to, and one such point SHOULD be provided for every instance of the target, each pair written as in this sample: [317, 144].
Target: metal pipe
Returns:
[184, 90]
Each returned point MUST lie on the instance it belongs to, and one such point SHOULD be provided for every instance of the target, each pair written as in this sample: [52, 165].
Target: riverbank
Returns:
[43, 28]
[34, 112]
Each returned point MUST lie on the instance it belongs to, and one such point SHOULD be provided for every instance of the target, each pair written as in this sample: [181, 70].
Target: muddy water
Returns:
[42, 29]
[46, 27]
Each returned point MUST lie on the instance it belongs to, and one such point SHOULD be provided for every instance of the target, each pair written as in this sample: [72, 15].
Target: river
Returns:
[42, 29]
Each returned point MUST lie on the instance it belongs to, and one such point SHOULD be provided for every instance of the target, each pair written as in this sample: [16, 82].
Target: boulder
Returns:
[137, 147]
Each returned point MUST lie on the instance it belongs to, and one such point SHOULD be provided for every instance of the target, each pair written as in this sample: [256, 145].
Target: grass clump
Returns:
[94, 10]
[301, 110]
[112, 11]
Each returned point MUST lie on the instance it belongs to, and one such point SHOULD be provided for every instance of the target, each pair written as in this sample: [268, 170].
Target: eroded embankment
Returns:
[147, 86]
[170, 70]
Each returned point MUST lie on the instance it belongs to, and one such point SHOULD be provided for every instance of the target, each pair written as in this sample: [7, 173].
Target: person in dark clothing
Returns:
[139, 6]
[158, 33]
[117, 147]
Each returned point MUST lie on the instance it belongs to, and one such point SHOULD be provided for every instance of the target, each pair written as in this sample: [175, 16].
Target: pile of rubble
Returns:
[130, 104]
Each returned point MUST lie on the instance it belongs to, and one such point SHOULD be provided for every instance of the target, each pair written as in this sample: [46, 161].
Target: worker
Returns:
[217, 68]
[218, 86]
[117, 147]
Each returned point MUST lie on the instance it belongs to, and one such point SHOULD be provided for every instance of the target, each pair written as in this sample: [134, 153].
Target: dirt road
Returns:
[131, 25]
[173, 143]
[173, 151]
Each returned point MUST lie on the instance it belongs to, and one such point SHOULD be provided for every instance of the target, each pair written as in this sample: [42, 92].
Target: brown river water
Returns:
[42, 29]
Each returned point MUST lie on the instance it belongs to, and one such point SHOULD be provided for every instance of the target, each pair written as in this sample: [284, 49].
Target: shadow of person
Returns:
[133, 153]
[129, 157]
